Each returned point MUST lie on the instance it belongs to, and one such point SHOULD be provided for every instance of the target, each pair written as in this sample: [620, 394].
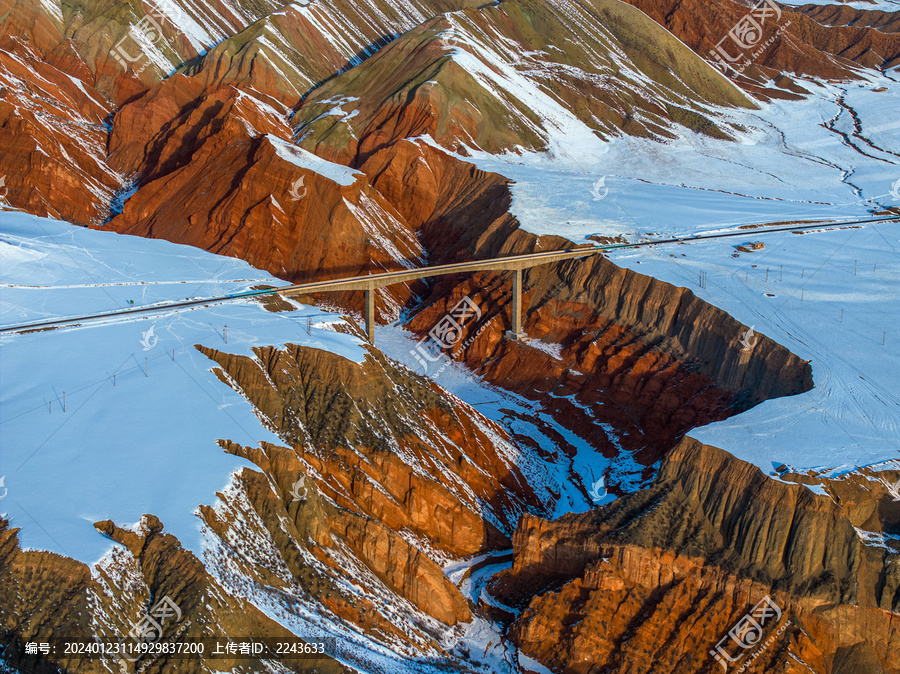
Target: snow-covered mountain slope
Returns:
[834, 154]
[291, 51]
[489, 79]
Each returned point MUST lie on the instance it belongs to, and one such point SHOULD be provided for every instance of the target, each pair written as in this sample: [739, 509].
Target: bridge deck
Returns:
[515, 263]
[392, 277]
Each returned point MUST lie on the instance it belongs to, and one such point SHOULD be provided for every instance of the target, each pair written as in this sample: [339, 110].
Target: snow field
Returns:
[143, 410]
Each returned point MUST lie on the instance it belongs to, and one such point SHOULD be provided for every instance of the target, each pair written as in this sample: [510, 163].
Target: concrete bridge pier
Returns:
[369, 284]
[516, 316]
[370, 313]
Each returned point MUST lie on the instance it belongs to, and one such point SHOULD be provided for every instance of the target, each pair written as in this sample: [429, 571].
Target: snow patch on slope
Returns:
[299, 157]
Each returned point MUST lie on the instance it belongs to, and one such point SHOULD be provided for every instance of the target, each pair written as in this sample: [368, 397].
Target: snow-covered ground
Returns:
[143, 410]
[789, 163]
[831, 298]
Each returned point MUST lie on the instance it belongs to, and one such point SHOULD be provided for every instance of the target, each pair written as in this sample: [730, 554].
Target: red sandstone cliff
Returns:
[653, 582]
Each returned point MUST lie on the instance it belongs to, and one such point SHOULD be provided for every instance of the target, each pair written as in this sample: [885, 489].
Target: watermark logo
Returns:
[599, 190]
[448, 331]
[749, 339]
[747, 34]
[298, 491]
[149, 339]
[296, 194]
[146, 32]
[3, 488]
[150, 627]
[748, 632]
[598, 490]
[895, 189]
[3, 189]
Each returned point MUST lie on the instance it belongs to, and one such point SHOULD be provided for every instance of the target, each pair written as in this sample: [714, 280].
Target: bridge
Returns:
[370, 283]
[514, 263]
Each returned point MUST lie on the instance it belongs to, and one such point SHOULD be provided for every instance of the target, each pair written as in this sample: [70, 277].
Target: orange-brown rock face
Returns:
[655, 580]
[53, 141]
[646, 357]
[223, 177]
[346, 421]
[57, 597]
[381, 452]
[844, 15]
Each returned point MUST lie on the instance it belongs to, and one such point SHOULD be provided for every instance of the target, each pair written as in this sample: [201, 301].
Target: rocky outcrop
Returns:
[387, 444]
[53, 141]
[32, 583]
[44, 596]
[395, 473]
[646, 357]
[274, 203]
[845, 15]
[869, 497]
[653, 581]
